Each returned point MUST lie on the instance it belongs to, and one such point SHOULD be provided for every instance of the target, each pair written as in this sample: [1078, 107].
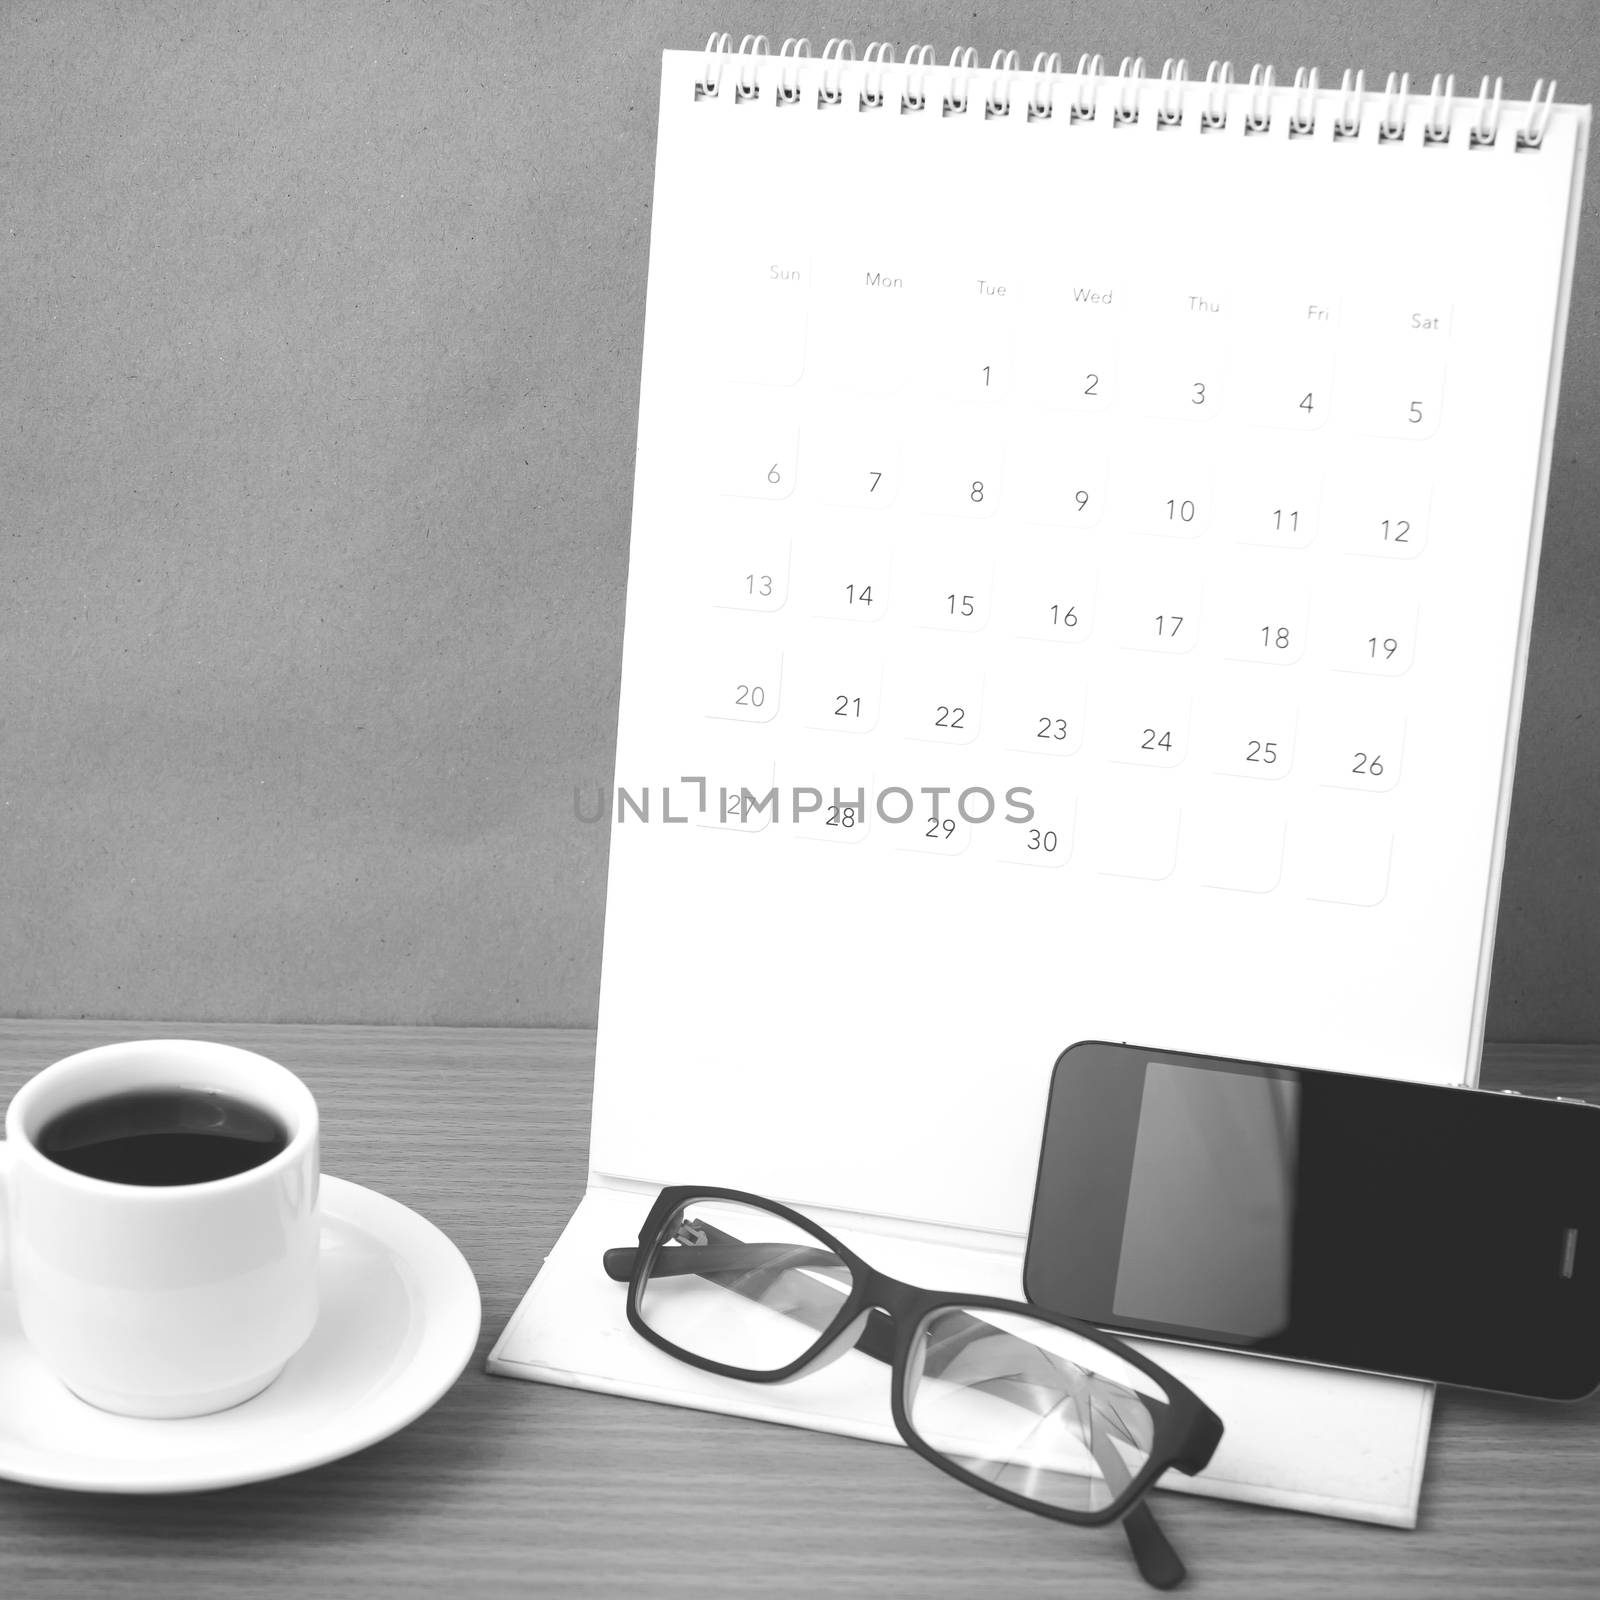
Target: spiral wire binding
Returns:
[793, 53]
[1543, 99]
[963, 61]
[881, 57]
[747, 86]
[707, 86]
[831, 91]
[1046, 69]
[1258, 119]
[1218, 76]
[1487, 122]
[1392, 125]
[918, 59]
[1352, 91]
[1129, 75]
[1003, 69]
[1396, 109]
[1174, 74]
[1436, 129]
[1091, 69]
[1303, 121]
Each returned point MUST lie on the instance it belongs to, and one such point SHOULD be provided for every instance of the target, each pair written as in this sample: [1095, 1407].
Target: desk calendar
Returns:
[1083, 550]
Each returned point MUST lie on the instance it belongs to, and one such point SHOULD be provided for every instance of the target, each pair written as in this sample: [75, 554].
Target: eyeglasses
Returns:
[1038, 1410]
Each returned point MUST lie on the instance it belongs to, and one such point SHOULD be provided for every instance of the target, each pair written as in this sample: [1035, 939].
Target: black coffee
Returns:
[162, 1137]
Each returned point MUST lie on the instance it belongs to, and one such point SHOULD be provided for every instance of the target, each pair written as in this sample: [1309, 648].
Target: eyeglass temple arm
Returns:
[1158, 1563]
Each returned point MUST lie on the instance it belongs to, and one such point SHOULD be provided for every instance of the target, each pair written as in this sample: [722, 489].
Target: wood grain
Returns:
[511, 1488]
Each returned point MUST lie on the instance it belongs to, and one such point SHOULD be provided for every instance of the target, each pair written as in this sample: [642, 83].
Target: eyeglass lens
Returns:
[741, 1286]
[1029, 1407]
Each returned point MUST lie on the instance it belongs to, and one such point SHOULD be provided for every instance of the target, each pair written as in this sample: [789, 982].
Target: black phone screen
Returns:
[1207, 1236]
[1403, 1228]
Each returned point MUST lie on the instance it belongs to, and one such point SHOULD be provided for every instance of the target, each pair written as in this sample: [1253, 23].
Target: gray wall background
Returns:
[320, 328]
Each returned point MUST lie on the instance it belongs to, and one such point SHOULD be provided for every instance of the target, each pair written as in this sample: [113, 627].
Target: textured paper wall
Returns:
[319, 342]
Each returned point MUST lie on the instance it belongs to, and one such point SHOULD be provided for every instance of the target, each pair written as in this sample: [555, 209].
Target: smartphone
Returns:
[1410, 1229]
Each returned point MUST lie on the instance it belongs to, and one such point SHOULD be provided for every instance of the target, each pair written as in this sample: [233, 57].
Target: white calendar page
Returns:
[1188, 480]
[1184, 484]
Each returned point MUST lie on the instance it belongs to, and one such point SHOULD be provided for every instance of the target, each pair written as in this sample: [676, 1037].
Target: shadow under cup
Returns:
[171, 1300]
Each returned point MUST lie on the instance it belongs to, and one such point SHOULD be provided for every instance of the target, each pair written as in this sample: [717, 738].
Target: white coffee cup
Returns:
[163, 1301]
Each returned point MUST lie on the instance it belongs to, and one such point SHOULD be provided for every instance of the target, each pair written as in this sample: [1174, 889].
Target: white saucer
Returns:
[399, 1321]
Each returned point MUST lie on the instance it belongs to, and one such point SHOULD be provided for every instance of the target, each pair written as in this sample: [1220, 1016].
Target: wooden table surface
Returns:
[513, 1488]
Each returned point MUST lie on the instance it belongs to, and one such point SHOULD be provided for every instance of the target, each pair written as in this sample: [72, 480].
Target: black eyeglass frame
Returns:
[1185, 1432]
